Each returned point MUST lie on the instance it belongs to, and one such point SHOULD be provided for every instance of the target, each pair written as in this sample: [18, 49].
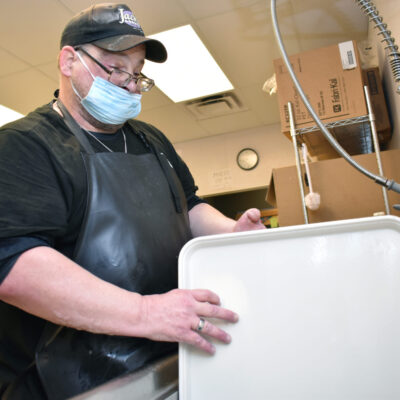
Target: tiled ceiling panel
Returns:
[31, 29]
[154, 15]
[324, 23]
[30, 90]
[155, 99]
[246, 47]
[264, 105]
[207, 8]
[10, 64]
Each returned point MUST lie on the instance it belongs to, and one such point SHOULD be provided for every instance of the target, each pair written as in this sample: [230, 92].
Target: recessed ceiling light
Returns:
[190, 71]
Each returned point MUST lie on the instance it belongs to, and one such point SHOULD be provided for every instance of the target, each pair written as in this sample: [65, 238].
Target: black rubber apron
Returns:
[136, 223]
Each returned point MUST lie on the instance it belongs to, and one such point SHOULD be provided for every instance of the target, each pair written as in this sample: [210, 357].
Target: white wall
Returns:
[212, 160]
[390, 11]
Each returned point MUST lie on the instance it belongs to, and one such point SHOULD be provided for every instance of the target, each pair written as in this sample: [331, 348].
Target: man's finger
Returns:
[204, 295]
[212, 311]
[196, 340]
[253, 214]
[207, 328]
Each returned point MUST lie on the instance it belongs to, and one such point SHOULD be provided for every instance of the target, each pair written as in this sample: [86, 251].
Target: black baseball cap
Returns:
[111, 27]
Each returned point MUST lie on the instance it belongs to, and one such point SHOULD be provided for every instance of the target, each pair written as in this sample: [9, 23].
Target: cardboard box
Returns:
[337, 95]
[345, 192]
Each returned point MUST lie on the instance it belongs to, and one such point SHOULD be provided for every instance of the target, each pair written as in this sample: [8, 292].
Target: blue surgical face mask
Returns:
[109, 103]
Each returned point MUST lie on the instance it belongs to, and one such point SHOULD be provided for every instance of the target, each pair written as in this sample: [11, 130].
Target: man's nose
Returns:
[133, 87]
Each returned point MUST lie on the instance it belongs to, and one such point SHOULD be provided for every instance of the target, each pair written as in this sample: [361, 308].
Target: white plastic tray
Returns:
[319, 309]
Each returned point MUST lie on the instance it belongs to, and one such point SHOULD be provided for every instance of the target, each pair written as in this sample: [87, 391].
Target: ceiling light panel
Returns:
[7, 115]
[190, 71]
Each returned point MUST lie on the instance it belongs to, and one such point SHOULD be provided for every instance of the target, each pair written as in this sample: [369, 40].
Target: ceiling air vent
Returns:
[214, 106]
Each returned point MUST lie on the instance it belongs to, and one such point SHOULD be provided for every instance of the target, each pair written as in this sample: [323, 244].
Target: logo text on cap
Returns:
[128, 18]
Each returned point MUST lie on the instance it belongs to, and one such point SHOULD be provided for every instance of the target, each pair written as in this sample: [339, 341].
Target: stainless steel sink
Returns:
[156, 381]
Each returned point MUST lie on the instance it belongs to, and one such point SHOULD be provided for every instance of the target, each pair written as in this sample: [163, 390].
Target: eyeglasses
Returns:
[122, 78]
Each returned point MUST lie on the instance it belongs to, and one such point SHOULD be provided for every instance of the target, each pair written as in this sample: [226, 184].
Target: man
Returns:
[95, 207]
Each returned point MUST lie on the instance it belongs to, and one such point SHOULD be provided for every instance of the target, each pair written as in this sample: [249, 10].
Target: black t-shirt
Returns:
[43, 181]
[43, 193]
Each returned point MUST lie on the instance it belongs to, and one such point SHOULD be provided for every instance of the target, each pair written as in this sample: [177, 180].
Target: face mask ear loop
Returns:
[84, 64]
[87, 68]
[75, 91]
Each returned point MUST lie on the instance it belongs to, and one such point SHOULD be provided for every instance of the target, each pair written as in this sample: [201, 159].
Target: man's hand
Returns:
[175, 317]
[249, 221]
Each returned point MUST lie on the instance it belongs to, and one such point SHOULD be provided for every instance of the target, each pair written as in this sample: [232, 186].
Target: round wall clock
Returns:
[247, 159]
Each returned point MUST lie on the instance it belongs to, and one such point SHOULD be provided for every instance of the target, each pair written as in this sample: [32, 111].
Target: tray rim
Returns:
[287, 232]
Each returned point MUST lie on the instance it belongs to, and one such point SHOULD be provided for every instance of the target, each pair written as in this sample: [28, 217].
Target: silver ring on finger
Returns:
[200, 325]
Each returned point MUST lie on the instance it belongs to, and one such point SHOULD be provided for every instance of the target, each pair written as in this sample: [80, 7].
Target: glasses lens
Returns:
[120, 78]
[123, 78]
[145, 84]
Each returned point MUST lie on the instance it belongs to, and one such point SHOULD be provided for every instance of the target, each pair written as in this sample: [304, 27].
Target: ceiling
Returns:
[238, 33]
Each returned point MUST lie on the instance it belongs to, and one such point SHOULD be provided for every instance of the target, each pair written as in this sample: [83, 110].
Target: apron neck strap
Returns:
[167, 168]
[75, 128]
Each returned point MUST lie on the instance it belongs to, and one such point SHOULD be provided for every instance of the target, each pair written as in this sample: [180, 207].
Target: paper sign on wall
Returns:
[221, 179]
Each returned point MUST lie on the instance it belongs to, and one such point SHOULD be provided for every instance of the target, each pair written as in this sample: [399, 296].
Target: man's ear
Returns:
[66, 59]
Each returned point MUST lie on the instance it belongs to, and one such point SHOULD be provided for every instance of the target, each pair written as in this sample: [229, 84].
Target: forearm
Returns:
[47, 284]
[206, 220]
